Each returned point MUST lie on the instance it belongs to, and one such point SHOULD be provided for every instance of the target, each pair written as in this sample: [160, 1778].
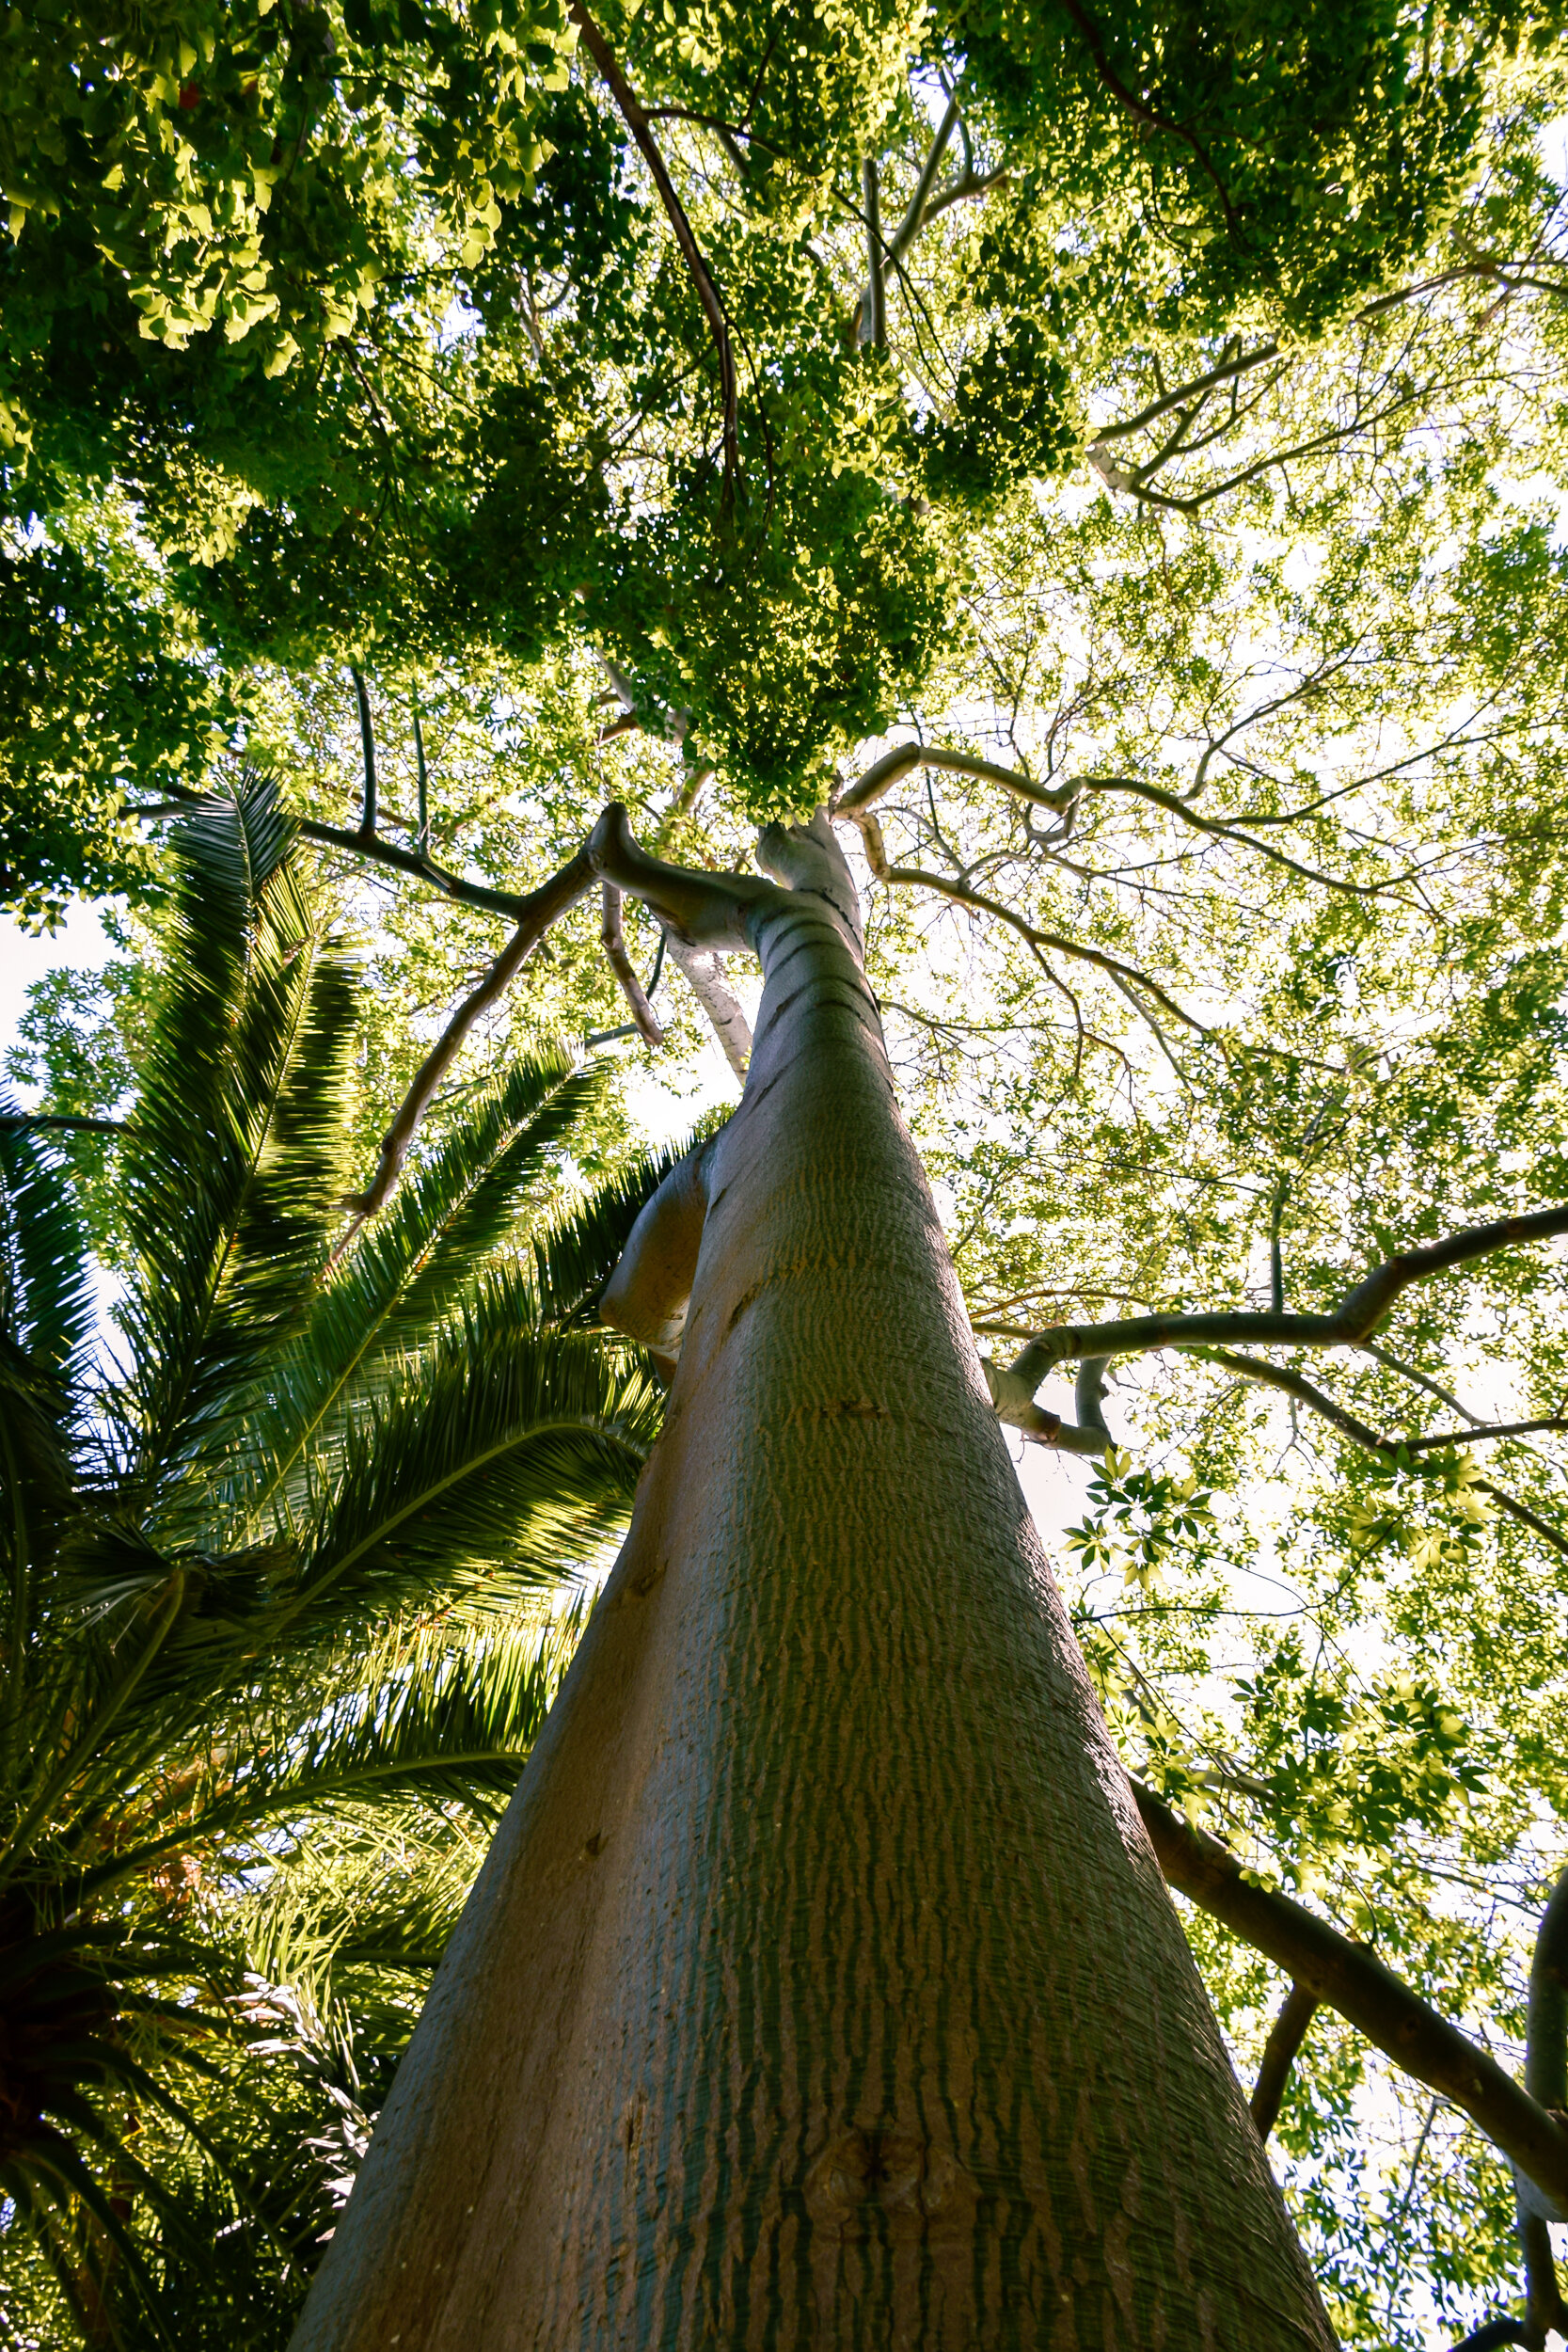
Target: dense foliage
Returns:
[1191, 454]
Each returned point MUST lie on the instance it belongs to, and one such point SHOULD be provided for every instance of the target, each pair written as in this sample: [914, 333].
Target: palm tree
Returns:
[263, 1568]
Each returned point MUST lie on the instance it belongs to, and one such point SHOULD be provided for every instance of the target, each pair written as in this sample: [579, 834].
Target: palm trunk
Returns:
[822, 1987]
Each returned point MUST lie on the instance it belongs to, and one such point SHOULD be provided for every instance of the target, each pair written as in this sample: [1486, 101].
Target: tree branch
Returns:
[1352, 1979]
[1352, 1321]
[544, 906]
[979, 902]
[896, 765]
[367, 748]
[873, 329]
[1286, 2036]
[707, 292]
[383, 852]
[704, 974]
[621, 964]
[705, 909]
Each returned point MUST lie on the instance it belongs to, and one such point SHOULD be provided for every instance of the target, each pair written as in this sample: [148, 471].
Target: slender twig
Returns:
[1351, 1978]
[707, 292]
[422, 838]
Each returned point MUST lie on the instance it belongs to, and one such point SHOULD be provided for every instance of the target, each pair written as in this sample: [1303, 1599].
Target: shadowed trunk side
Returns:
[821, 1986]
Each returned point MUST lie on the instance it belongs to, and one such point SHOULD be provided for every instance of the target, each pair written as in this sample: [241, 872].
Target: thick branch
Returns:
[1352, 1321]
[650, 1289]
[366, 747]
[1371, 1997]
[710, 910]
[621, 964]
[1016, 1409]
[707, 292]
[896, 765]
[1286, 2036]
[704, 974]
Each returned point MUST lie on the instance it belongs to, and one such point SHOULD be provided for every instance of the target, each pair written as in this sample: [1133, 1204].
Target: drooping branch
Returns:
[1286, 2036]
[621, 964]
[1352, 1979]
[383, 852]
[707, 292]
[367, 751]
[706, 910]
[1348, 1324]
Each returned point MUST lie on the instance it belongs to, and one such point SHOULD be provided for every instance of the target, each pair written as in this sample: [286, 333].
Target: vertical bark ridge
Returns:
[821, 1988]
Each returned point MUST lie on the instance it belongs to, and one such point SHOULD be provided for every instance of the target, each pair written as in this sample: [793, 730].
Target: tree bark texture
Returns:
[822, 1987]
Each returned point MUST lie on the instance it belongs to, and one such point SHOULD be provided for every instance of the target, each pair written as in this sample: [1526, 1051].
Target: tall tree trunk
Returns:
[822, 1987]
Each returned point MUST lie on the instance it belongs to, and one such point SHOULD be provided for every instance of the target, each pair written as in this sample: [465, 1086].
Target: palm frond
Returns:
[418, 1713]
[235, 1154]
[575, 1256]
[45, 1276]
[408, 1269]
[503, 1458]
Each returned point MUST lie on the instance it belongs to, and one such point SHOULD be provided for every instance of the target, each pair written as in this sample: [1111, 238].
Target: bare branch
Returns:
[707, 292]
[1348, 1324]
[383, 852]
[1286, 2036]
[549, 902]
[917, 877]
[704, 974]
[621, 964]
[366, 747]
[896, 765]
[873, 328]
[1352, 1979]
